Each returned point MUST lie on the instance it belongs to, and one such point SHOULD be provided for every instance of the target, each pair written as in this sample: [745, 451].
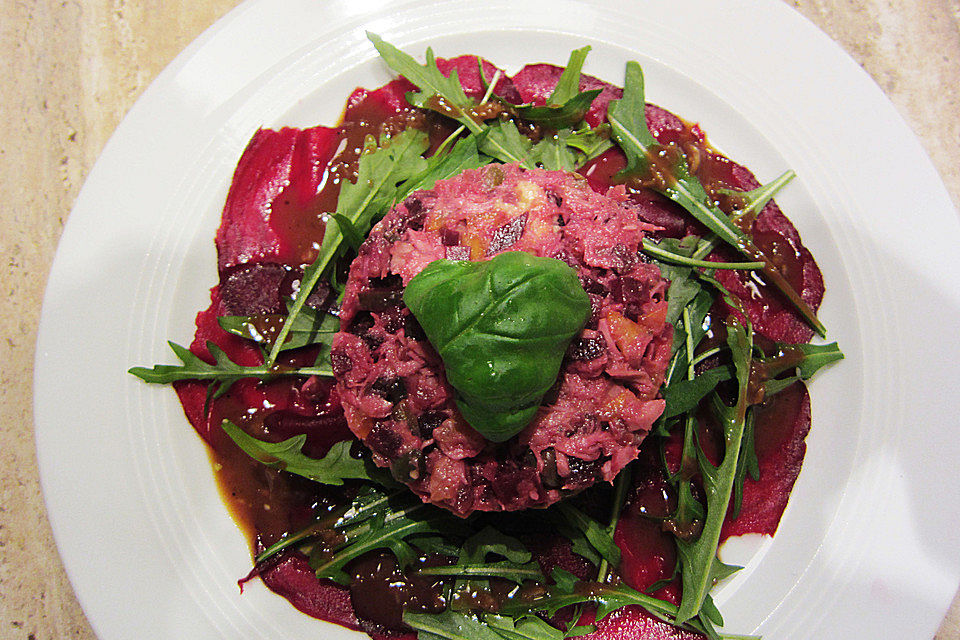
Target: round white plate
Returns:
[868, 546]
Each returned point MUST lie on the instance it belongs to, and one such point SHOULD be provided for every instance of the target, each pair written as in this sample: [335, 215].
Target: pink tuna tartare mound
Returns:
[590, 425]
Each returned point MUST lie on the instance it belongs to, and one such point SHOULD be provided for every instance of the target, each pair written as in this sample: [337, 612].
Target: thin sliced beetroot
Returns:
[390, 98]
[293, 579]
[278, 170]
[633, 623]
[468, 72]
[648, 553]
[305, 407]
[781, 427]
[535, 83]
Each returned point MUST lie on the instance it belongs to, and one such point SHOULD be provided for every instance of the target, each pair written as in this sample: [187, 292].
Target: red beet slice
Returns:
[293, 579]
[535, 83]
[781, 426]
[468, 72]
[279, 170]
[633, 623]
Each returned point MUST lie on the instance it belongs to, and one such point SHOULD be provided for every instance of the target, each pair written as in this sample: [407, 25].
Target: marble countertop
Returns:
[71, 71]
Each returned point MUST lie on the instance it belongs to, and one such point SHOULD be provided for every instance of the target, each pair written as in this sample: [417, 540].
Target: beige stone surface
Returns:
[69, 72]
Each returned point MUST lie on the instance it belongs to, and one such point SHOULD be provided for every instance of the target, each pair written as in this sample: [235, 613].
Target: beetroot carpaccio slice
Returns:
[269, 227]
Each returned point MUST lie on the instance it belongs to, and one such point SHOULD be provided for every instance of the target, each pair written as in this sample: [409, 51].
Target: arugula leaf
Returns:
[504, 142]
[627, 118]
[812, 358]
[700, 567]
[628, 122]
[567, 591]
[578, 541]
[445, 94]
[568, 114]
[599, 537]
[335, 467]
[371, 501]
[308, 327]
[450, 625]
[500, 343]
[223, 373]
[490, 541]
[349, 232]
[435, 544]
[554, 154]
[463, 155]
[568, 86]
[747, 463]
[529, 628]
[655, 250]
[624, 478]
[507, 570]
[383, 531]
[433, 84]
[379, 171]
[685, 395]
[754, 200]
[690, 328]
[591, 141]
[568, 149]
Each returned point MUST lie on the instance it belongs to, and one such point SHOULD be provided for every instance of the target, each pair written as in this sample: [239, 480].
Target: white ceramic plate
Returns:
[868, 546]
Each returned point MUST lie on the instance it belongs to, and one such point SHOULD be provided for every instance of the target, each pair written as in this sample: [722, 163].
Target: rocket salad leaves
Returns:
[716, 369]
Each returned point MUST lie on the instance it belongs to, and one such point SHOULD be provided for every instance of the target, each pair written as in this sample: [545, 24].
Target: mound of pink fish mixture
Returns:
[391, 382]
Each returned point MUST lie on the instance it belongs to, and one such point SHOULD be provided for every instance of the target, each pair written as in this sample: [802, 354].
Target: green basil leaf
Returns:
[501, 327]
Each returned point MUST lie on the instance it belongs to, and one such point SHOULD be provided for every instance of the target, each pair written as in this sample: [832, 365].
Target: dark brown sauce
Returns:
[302, 228]
[659, 172]
[484, 111]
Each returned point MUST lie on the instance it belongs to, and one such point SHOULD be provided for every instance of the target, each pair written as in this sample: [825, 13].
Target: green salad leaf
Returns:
[309, 327]
[568, 114]
[501, 327]
[627, 118]
[335, 467]
[700, 567]
[221, 374]
[381, 168]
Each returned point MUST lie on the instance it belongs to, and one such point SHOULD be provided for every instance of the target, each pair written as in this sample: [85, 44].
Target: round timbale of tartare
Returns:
[589, 425]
